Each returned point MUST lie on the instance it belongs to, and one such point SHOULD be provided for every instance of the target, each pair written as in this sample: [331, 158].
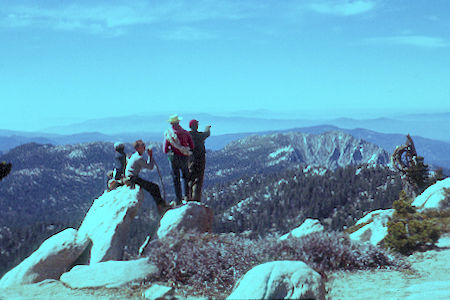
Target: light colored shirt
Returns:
[136, 163]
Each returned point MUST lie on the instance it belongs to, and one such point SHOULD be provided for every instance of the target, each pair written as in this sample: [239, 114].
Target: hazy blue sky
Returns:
[66, 61]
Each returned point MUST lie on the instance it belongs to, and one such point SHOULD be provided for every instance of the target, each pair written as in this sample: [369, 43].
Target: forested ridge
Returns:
[278, 202]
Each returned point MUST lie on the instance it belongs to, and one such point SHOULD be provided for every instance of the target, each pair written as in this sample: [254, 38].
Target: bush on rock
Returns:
[409, 230]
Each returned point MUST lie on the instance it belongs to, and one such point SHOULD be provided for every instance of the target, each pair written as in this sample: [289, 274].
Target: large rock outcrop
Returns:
[54, 257]
[110, 274]
[433, 196]
[280, 280]
[372, 228]
[105, 229]
[191, 217]
[107, 223]
[308, 226]
[100, 241]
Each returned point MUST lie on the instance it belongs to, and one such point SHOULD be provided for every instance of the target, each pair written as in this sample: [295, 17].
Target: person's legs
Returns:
[152, 188]
[185, 173]
[175, 165]
[191, 177]
[198, 181]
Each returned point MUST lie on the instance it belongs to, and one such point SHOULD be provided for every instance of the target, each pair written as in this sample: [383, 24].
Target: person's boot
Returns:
[163, 208]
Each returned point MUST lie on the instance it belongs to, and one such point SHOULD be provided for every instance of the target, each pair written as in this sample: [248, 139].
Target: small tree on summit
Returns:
[414, 172]
[419, 174]
[408, 231]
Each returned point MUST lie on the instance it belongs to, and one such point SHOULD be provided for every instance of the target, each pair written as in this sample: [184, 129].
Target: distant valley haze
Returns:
[432, 126]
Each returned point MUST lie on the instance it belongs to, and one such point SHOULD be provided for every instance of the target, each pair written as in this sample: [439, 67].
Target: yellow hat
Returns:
[174, 119]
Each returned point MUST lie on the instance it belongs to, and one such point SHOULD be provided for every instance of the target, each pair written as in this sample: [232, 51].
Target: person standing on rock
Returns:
[178, 145]
[134, 166]
[198, 159]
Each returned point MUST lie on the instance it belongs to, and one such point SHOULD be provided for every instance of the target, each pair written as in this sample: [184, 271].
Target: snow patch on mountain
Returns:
[90, 170]
[313, 171]
[280, 155]
[374, 159]
[280, 182]
[278, 152]
[77, 153]
[29, 172]
[237, 209]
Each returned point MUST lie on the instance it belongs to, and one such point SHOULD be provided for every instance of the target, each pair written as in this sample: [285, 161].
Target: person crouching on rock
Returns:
[134, 167]
[116, 176]
[120, 161]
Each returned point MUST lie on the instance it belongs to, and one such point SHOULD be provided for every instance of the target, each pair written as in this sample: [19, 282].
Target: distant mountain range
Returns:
[151, 127]
[433, 126]
[435, 152]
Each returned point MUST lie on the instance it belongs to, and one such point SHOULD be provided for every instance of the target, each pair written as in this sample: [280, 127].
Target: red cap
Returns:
[192, 122]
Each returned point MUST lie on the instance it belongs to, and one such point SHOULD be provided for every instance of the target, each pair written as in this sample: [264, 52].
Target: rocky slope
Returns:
[262, 154]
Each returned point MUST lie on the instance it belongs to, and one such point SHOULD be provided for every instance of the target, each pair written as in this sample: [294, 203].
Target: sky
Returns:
[63, 62]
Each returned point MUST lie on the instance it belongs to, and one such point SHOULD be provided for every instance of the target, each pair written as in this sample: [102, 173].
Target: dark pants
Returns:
[197, 171]
[150, 187]
[179, 164]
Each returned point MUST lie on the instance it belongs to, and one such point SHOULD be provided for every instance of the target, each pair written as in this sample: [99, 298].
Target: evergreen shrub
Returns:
[419, 174]
[445, 204]
[409, 230]
[210, 264]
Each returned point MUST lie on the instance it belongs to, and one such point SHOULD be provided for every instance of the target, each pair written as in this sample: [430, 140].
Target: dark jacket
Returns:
[199, 143]
[120, 163]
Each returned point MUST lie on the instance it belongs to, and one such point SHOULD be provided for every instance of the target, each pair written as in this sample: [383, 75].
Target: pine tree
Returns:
[409, 230]
[438, 175]
[418, 173]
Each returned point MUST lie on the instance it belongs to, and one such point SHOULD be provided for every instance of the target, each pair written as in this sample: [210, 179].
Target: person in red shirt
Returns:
[178, 145]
